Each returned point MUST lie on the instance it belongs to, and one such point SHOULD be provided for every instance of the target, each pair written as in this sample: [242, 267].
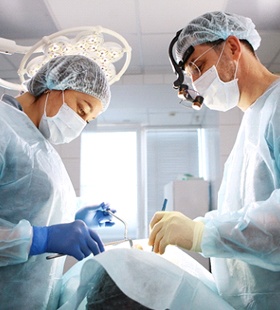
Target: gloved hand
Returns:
[74, 239]
[96, 216]
[176, 229]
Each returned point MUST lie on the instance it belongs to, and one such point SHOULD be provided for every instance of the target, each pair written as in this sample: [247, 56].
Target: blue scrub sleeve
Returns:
[251, 234]
[15, 242]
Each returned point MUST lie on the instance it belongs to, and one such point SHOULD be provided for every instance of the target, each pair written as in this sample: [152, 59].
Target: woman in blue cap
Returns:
[37, 199]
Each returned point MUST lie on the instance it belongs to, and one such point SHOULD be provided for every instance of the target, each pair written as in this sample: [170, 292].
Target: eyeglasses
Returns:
[192, 70]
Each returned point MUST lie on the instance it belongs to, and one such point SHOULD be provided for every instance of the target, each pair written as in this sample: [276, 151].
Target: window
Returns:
[170, 153]
[129, 170]
[109, 174]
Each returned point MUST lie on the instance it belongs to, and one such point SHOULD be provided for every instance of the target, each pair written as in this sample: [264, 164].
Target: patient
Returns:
[105, 295]
[124, 278]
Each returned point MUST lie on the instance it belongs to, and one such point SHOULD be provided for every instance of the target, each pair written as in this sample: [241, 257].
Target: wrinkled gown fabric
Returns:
[243, 235]
[35, 189]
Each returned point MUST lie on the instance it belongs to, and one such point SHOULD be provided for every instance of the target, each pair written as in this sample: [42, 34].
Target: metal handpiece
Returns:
[125, 232]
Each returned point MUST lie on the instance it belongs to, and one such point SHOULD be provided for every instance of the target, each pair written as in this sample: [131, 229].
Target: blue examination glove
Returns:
[96, 216]
[75, 239]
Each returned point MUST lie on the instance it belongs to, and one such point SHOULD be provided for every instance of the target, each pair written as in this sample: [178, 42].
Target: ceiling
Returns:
[144, 95]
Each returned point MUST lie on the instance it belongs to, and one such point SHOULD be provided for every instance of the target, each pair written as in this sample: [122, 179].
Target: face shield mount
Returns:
[184, 91]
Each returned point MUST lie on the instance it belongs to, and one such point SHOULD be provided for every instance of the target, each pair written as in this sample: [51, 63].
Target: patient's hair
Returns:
[105, 295]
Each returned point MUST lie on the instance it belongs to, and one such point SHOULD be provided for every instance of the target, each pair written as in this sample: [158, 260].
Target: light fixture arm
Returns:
[10, 47]
[10, 85]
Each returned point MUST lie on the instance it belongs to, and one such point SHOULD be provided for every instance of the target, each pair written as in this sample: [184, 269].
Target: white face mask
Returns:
[63, 127]
[218, 95]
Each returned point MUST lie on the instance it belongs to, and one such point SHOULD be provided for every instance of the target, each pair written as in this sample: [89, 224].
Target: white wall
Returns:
[70, 154]
[220, 139]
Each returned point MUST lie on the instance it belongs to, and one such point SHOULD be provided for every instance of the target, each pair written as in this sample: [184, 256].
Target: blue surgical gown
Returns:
[243, 234]
[35, 189]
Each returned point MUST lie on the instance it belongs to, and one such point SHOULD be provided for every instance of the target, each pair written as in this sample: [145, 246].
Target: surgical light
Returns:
[102, 45]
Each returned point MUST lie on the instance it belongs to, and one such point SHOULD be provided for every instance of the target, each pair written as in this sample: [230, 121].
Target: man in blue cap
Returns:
[217, 51]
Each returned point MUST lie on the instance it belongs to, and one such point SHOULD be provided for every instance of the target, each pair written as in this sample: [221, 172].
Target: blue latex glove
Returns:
[75, 239]
[96, 216]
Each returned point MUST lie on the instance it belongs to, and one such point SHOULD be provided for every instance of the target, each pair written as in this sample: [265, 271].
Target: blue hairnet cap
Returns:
[213, 26]
[73, 72]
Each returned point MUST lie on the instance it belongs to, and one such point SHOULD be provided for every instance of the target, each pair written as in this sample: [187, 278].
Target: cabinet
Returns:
[191, 197]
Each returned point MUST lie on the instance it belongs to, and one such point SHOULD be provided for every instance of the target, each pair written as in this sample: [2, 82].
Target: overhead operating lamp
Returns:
[102, 45]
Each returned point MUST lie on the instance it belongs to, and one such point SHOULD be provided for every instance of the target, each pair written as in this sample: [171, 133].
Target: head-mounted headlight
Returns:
[184, 90]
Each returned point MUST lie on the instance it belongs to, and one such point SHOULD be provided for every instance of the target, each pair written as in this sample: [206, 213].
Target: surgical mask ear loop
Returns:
[220, 55]
[236, 68]
[46, 101]
[237, 61]
[63, 97]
